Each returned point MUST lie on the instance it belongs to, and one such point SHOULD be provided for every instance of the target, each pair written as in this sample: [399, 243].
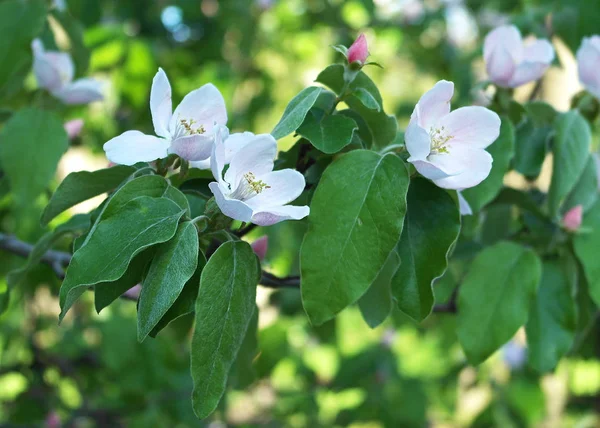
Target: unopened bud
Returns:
[260, 247]
[359, 51]
[573, 218]
[73, 128]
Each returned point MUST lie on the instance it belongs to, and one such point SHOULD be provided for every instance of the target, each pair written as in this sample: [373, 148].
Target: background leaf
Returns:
[376, 304]
[295, 112]
[586, 249]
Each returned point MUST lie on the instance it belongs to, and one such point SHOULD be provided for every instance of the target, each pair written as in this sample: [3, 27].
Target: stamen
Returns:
[249, 188]
[257, 186]
[439, 140]
[188, 127]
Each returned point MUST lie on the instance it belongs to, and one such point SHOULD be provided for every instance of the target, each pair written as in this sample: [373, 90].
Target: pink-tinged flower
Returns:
[449, 147]
[588, 61]
[73, 128]
[510, 62]
[463, 205]
[233, 144]
[250, 191]
[186, 132]
[359, 51]
[260, 247]
[54, 71]
[573, 218]
[52, 420]
[134, 292]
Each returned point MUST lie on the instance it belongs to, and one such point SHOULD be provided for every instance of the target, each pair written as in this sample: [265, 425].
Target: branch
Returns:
[271, 281]
[245, 230]
[57, 260]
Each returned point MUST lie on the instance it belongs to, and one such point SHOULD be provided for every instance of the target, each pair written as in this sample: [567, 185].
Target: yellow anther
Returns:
[188, 127]
[257, 185]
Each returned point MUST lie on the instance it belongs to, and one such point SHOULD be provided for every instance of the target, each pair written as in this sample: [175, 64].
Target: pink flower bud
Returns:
[133, 292]
[52, 420]
[73, 128]
[260, 247]
[359, 51]
[573, 218]
[588, 61]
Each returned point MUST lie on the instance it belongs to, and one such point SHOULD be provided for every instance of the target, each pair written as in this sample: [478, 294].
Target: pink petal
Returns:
[73, 128]
[132, 146]
[160, 103]
[573, 218]
[232, 208]
[359, 51]
[81, 91]
[500, 66]
[539, 51]
[276, 215]
[260, 247]
[475, 126]
[434, 104]
[588, 60]
[528, 72]
[475, 165]
[204, 107]
[507, 37]
[192, 147]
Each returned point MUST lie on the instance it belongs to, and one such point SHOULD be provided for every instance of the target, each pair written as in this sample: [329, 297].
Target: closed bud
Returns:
[573, 218]
[359, 51]
[73, 128]
[260, 247]
[588, 62]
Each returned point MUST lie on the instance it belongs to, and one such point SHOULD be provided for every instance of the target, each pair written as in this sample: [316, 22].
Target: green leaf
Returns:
[20, 22]
[376, 304]
[495, 297]
[585, 192]
[77, 224]
[502, 151]
[33, 142]
[341, 49]
[243, 372]
[331, 135]
[367, 99]
[356, 220]
[224, 309]
[295, 112]
[143, 222]
[571, 149]
[530, 149]
[83, 185]
[553, 317]
[431, 227]
[179, 198]
[586, 249]
[4, 299]
[381, 129]
[173, 265]
[186, 301]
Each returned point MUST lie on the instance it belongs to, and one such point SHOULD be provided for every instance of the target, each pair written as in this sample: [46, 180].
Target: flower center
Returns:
[439, 140]
[249, 187]
[186, 127]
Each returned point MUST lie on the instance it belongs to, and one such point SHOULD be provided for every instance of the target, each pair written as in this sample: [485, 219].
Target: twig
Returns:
[57, 260]
[271, 281]
[245, 230]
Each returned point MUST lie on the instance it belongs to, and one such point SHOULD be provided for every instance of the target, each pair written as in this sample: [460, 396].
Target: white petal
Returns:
[193, 147]
[507, 37]
[203, 164]
[463, 205]
[500, 66]
[232, 208]
[528, 72]
[256, 157]
[275, 215]
[475, 164]
[417, 141]
[204, 106]
[47, 68]
[473, 126]
[284, 186]
[81, 91]
[63, 63]
[429, 170]
[539, 51]
[217, 157]
[133, 146]
[236, 142]
[588, 60]
[434, 104]
[160, 103]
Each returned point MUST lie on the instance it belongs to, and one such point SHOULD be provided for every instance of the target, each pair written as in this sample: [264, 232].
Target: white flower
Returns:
[463, 205]
[233, 144]
[54, 71]
[250, 191]
[510, 62]
[187, 132]
[588, 61]
[448, 147]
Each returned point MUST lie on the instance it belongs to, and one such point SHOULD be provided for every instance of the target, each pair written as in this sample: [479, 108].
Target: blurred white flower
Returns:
[461, 26]
[588, 61]
[514, 354]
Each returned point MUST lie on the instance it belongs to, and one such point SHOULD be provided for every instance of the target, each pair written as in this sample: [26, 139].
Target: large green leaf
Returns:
[585, 192]
[331, 134]
[502, 151]
[495, 297]
[356, 220]
[224, 309]
[295, 112]
[141, 223]
[173, 265]
[376, 304]
[586, 248]
[553, 317]
[381, 128]
[83, 185]
[571, 150]
[431, 227]
[33, 142]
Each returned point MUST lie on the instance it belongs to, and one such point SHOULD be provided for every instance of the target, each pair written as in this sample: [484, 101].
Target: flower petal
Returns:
[463, 205]
[236, 142]
[475, 165]
[417, 141]
[540, 50]
[47, 68]
[232, 208]
[507, 37]
[284, 186]
[588, 60]
[473, 126]
[81, 91]
[434, 104]
[193, 147]
[528, 72]
[160, 103]
[256, 157]
[500, 66]
[203, 164]
[429, 170]
[217, 157]
[204, 106]
[275, 215]
[133, 146]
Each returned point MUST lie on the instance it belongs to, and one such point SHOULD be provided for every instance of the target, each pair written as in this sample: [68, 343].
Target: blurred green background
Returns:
[91, 371]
